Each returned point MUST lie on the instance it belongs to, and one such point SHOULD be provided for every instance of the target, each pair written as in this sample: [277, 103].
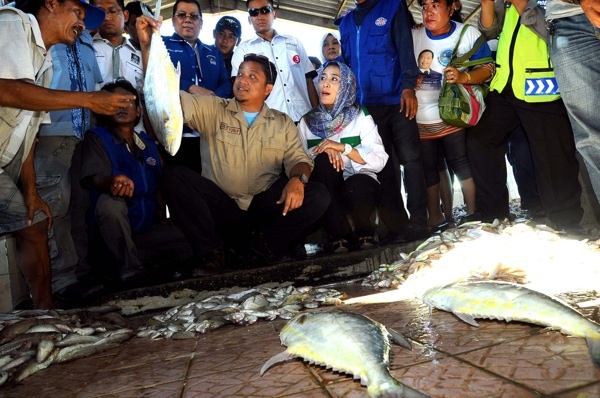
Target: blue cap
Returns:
[94, 16]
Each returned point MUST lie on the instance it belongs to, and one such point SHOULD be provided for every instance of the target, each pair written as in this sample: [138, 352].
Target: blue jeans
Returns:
[575, 50]
[53, 156]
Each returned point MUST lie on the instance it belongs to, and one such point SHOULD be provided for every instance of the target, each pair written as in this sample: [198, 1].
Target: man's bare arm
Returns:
[23, 95]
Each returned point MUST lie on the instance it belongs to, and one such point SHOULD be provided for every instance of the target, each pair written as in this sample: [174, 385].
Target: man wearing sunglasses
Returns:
[245, 148]
[294, 92]
[202, 72]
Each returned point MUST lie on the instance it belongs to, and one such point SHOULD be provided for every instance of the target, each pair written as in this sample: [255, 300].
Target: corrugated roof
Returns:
[313, 12]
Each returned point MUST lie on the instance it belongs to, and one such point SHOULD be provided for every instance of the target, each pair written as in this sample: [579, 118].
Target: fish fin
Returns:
[466, 318]
[281, 357]
[594, 347]
[399, 339]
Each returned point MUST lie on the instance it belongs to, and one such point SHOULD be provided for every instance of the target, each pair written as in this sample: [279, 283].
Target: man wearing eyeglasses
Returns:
[227, 34]
[294, 92]
[202, 72]
[116, 55]
[245, 147]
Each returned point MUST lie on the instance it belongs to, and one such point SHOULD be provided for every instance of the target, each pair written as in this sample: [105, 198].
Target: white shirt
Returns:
[24, 57]
[126, 59]
[442, 47]
[290, 92]
[362, 131]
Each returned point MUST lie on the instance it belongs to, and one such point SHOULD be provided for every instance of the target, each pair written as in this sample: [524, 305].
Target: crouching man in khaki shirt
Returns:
[245, 146]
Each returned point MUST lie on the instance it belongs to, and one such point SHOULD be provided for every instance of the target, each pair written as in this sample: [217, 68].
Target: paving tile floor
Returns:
[449, 359]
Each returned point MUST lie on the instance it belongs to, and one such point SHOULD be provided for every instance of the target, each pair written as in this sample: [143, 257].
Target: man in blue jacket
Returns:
[377, 45]
[202, 72]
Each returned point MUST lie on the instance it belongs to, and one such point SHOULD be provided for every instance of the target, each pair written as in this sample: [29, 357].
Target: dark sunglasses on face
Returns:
[261, 59]
[182, 16]
[253, 12]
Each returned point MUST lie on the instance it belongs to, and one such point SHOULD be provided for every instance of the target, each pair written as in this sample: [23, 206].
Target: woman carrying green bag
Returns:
[435, 47]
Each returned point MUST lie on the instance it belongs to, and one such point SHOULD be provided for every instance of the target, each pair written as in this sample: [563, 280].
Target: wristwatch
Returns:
[347, 149]
[302, 177]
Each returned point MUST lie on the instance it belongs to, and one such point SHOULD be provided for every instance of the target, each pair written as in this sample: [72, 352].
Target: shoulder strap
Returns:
[462, 60]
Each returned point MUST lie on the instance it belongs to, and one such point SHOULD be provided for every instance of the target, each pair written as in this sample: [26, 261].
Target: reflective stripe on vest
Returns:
[528, 64]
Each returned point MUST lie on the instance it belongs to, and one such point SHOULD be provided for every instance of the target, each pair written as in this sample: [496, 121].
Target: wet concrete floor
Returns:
[449, 358]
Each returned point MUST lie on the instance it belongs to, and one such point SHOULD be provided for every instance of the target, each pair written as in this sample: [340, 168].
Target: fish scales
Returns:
[511, 302]
[161, 96]
[346, 342]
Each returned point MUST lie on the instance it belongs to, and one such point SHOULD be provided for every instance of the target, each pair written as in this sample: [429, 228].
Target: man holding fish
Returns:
[24, 98]
[244, 144]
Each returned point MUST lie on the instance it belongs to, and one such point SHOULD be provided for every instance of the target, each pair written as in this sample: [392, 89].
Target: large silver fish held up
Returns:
[345, 342]
[512, 302]
[161, 93]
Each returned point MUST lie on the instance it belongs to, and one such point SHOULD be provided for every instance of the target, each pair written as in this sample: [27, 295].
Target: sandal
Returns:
[366, 242]
[339, 246]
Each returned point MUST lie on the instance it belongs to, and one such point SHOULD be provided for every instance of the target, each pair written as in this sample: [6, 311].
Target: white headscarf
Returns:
[335, 34]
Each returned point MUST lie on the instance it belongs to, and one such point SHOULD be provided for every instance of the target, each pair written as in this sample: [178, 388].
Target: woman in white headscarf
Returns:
[331, 50]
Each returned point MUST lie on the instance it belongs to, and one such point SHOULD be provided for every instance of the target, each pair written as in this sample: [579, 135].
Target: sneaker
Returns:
[366, 242]
[339, 246]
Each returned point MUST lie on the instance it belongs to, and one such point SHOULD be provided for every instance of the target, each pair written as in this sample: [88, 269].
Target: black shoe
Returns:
[263, 255]
[132, 273]
[411, 232]
[79, 291]
[212, 263]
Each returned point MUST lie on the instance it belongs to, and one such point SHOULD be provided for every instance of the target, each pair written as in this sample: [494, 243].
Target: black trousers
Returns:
[209, 218]
[552, 146]
[358, 196]
[401, 141]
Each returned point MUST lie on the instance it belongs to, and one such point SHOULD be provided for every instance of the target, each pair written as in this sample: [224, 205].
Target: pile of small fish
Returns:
[395, 274]
[32, 340]
[511, 252]
[242, 308]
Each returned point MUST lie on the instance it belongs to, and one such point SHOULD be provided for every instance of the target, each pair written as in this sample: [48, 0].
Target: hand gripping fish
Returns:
[161, 92]
[512, 302]
[345, 342]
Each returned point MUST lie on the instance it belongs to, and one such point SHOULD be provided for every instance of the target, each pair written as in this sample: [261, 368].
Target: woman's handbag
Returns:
[462, 105]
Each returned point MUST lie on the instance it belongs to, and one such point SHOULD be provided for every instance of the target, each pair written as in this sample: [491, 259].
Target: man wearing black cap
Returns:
[227, 34]
[24, 77]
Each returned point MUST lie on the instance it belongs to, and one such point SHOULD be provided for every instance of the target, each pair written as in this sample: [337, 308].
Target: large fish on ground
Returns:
[161, 93]
[345, 342]
[512, 302]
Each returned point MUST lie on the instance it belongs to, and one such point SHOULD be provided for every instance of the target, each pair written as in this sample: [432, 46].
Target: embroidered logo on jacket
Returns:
[212, 59]
[229, 129]
[151, 161]
[381, 21]
[296, 59]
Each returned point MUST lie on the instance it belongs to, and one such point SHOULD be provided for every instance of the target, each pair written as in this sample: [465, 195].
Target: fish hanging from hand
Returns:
[161, 92]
